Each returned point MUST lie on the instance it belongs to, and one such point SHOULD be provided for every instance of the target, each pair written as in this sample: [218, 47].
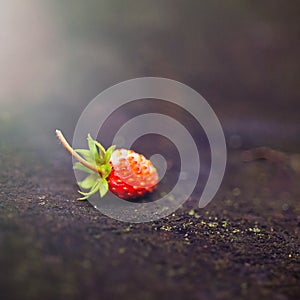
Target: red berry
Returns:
[132, 175]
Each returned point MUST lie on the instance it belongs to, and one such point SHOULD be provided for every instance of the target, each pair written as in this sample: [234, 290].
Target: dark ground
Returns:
[243, 245]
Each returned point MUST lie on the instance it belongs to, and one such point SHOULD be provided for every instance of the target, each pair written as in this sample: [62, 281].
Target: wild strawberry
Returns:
[125, 173]
[132, 175]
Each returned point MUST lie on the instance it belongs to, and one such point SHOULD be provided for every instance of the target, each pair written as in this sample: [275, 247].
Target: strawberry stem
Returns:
[73, 153]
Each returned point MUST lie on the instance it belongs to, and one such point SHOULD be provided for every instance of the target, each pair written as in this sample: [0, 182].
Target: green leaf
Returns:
[93, 149]
[91, 143]
[98, 159]
[101, 153]
[108, 153]
[89, 181]
[81, 167]
[93, 190]
[103, 187]
[86, 154]
[101, 148]
[97, 151]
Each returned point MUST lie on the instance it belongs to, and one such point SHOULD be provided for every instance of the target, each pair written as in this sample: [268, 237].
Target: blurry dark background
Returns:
[242, 56]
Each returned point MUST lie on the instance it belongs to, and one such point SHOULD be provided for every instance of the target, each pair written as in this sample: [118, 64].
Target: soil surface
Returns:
[243, 245]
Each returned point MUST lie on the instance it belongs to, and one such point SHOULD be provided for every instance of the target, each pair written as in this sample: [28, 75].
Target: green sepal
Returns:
[96, 156]
[92, 191]
[86, 154]
[99, 158]
[105, 170]
[100, 185]
[101, 148]
[89, 181]
[92, 145]
[81, 167]
[108, 153]
[103, 187]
